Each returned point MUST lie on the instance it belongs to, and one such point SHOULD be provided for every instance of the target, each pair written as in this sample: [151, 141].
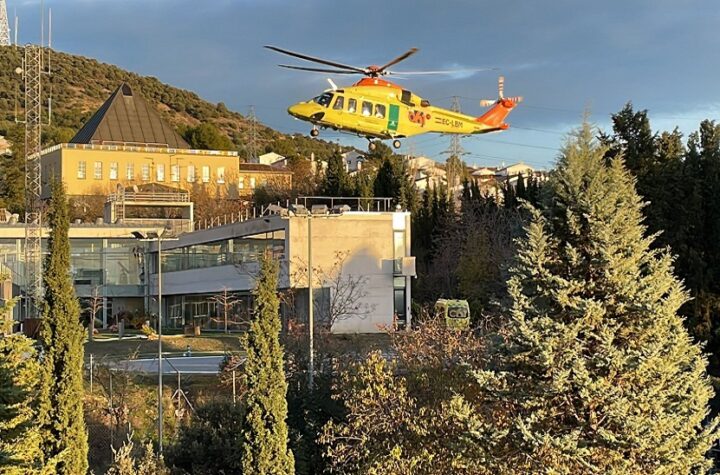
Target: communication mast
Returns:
[252, 140]
[32, 70]
[4, 25]
[454, 165]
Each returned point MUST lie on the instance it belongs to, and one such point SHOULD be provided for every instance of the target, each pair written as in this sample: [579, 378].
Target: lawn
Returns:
[105, 346]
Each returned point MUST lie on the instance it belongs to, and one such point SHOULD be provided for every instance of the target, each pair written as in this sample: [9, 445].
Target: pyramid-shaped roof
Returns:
[127, 119]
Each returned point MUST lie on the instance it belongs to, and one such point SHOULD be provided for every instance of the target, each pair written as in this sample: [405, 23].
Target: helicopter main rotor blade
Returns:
[316, 60]
[442, 71]
[318, 70]
[402, 57]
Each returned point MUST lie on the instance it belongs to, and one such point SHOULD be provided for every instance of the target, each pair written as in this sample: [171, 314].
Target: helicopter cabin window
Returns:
[324, 99]
[406, 98]
[339, 103]
[366, 108]
[352, 105]
[380, 111]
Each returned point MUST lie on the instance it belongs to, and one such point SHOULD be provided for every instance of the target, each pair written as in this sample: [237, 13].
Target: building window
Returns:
[98, 171]
[82, 170]
[241, 183]
[130, 171]
[191, 173]
[113, 170]
[160, 172]
[146, 172]
[175, 173]
[206, 174]
[252, 183]
[221, 175]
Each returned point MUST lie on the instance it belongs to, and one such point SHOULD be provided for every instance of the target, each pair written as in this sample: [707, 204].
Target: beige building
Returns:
[127, 143]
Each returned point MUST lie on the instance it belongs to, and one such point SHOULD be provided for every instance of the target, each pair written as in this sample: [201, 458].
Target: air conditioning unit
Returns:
[405, 266]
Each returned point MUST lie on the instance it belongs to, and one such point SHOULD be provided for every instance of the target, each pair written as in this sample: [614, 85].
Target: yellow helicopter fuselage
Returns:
[375, 108]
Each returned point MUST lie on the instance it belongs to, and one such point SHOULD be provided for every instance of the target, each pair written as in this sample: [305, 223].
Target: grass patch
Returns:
[102, 347]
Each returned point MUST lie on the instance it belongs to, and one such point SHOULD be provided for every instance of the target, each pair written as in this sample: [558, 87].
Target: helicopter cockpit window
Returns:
[366, 108]
[380, 111]
[339, 103]
[352, 105]
[324, 99]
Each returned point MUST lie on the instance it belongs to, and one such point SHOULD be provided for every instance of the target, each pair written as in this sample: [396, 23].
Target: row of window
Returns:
[367, 108]
[145, 172]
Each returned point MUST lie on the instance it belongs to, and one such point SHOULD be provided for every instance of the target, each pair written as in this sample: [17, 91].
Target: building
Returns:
[365, 254]
[353, 161]
[126, 143]
[254, 175]
[271, 158]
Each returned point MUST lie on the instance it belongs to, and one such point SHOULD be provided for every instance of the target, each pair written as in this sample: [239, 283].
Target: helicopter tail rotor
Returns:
[501, 96]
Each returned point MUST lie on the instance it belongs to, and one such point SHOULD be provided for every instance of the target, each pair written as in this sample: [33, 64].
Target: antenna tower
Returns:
[32, 75]
[32, 70]
[4, 25]
[252, 140]
[454, 170]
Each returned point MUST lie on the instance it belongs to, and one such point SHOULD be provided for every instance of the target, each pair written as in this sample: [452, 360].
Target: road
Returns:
[183, 364]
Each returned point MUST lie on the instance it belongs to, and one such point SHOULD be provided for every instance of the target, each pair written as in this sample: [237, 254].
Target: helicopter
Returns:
[378, 109]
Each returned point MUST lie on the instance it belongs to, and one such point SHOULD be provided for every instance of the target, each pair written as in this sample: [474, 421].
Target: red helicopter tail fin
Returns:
[495, 117]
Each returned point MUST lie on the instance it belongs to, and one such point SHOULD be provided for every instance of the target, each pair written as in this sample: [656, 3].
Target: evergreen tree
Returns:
[601, 372]
[62, 424]
[265, 435]
[455, 170]
[336, 182]
[207, 137]
[19, 435]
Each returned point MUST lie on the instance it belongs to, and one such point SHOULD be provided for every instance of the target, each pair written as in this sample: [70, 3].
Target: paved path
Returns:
[183, 364]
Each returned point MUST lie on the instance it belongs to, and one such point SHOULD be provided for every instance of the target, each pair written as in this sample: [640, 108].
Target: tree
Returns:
[455, 169]
[336, 182]
[226, 302]
[411, 415]
[125, 463]
[64, 437]
[265, 433]
[212, 442]
[600, 373]
[207, 137]
[20, 452]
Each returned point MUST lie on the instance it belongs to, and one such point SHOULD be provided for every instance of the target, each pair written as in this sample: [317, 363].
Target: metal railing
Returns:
[378, 205]
[149, 196]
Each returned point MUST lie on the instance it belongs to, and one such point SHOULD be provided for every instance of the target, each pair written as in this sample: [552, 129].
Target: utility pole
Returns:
[252, 140]
[455, 152]
[4, 25]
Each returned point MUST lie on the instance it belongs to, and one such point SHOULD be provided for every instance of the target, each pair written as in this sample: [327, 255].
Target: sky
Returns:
[565, 57]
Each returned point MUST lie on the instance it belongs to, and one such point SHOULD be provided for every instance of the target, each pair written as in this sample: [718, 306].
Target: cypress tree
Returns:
[265, 435]
[602, 375]
[336, 181]
[64, 438]
[19, 435]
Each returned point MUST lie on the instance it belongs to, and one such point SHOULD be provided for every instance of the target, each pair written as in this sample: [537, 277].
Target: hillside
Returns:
[80, 85]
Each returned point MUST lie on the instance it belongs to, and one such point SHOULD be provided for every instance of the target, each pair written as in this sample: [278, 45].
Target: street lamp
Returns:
[157, 236]
[301, 211]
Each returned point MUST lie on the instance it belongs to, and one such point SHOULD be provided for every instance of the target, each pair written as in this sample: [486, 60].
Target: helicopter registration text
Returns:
[456, 124]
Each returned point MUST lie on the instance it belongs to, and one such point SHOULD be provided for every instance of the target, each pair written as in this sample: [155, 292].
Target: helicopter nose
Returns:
[296, 110]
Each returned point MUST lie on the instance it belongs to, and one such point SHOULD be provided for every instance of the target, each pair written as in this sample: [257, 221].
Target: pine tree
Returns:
[265, 435]
[336, 182]
[64, 438]
[602, 373]
[19, 435]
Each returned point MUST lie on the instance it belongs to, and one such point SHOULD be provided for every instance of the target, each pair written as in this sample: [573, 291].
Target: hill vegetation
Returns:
[80, 85]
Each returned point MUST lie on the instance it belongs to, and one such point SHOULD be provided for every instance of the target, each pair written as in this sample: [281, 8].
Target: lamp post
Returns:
[300, 211]
[157, 236]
